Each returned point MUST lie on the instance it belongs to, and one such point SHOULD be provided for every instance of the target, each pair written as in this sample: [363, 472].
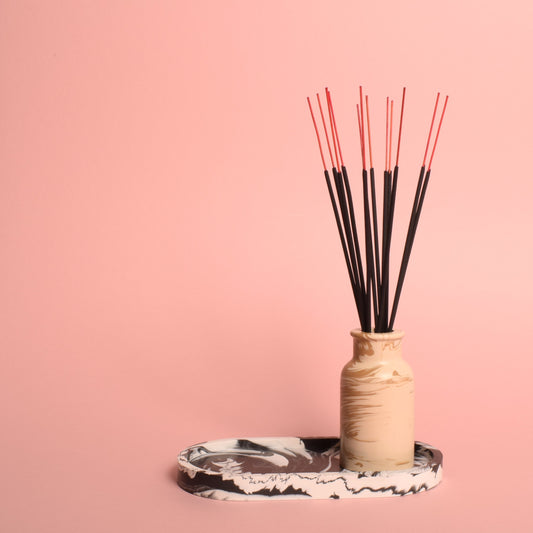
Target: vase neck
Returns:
[376, 346]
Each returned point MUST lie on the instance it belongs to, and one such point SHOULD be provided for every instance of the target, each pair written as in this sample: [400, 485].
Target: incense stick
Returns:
[357, 266]
[417, 209]
[336, 214]
[374, 212]
[348, 217]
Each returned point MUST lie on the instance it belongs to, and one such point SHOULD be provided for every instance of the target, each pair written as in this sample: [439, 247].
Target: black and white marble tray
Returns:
[293, 467]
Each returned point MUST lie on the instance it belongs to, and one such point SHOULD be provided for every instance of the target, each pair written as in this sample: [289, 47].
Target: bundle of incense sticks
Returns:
[370, 280]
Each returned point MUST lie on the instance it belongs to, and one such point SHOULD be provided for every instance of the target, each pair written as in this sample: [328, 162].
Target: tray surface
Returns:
[294, 467]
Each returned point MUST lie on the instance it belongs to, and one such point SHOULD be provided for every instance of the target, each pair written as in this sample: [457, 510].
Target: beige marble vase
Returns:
[377, 405]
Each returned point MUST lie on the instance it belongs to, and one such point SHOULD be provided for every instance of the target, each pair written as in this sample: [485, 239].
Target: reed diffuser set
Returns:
[377, 389]
[376, 454]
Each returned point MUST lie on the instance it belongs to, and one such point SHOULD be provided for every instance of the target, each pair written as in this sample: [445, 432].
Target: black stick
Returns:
[370, 275]
[341, 195]
[413, 224]
[349, 238]
[343, 243]
[376, 237]
[390, 222]
[358, 270]
[354, 228]
[383, 303]
[389, 237]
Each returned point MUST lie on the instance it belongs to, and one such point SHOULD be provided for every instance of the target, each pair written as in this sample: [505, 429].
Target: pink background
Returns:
[171, 272]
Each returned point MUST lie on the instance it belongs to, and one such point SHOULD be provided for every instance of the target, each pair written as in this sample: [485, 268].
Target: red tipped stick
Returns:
[335, 127]
[362, 125]
[317, 134]
[387, 135]
[430, 130]
[437, 136]
[368, 126]
[360, 133]
[332, 130]
[390, 133]
[400, 131]
[325, 129]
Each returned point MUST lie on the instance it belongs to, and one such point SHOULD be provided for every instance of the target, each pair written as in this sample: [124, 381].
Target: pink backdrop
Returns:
[171, 272]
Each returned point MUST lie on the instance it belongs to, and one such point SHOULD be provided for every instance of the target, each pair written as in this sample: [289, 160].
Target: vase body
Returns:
[377, 405]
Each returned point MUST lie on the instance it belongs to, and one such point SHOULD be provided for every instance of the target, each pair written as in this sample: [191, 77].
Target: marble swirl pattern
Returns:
[294, 467]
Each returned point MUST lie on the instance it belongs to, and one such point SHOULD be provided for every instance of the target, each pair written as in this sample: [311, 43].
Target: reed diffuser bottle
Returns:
[377, 390]
[377, 405]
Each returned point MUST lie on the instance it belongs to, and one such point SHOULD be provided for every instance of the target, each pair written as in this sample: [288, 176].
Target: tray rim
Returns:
[186, 464]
